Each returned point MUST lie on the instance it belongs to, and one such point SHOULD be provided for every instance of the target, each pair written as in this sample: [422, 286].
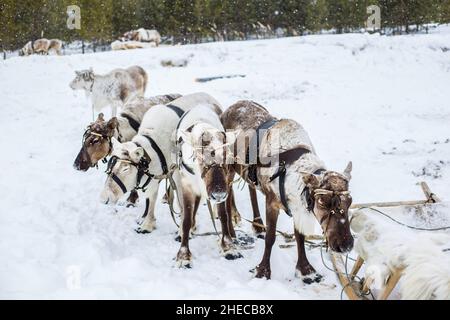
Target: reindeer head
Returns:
[83, 80]
[123, 168]
[207, 149]
[96, 143]
[328, 197]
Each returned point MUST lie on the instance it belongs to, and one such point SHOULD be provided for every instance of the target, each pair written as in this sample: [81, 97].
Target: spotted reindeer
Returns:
[202, 175]
[114, 89]
[146, 160]
[278, 158]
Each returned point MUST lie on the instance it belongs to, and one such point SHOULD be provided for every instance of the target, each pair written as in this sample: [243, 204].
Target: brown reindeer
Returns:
[202, 174]
[279, 160]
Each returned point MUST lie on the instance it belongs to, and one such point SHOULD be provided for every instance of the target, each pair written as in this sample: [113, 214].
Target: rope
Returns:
[350, 281]
[404, 224]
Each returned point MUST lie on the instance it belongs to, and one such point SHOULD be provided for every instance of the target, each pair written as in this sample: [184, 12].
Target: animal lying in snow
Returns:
[148, 158]
[128, 45]
[143, 35]
[114, 89]
[41, 46]
[202, 175]
[286, 169]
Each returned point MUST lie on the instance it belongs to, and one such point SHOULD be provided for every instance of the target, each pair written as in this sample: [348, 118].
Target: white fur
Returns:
[159, 123]
[105, 90]
[385, 246]
[203, 118]
[136, 109]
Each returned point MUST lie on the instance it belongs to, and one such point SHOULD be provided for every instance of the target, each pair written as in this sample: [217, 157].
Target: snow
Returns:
[382, 102]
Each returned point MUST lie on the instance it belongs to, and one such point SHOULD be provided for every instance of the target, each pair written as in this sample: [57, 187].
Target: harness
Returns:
[89, 132]
[252, 169]
[284, 159]
[133, 123]
[142, 168]
[177, 110]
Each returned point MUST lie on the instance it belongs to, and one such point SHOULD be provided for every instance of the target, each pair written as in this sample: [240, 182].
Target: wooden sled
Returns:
[357, 291]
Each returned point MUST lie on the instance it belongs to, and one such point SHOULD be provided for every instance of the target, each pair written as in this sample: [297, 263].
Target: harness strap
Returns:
[176, 109]
[252, 169]
[133, 123]
[160, 154]
[188, 168]
[286, 158]
[119, 182]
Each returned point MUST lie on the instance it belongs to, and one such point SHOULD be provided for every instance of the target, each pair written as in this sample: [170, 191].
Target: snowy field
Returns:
[382, 102]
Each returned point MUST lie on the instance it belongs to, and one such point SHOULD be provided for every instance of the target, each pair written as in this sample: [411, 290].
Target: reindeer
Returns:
[143, 35]
[292, 177]
[202, 175]
[143, 162]
[115, 88]
[41, 46]
[97, 137]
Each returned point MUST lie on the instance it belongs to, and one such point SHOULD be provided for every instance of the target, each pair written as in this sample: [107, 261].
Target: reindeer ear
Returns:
[348, 171]
[115, 143]
[101, 117]
[311, 180]
[113, 123]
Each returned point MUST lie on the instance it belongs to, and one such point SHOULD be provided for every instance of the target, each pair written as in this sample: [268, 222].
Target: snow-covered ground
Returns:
[382, 102]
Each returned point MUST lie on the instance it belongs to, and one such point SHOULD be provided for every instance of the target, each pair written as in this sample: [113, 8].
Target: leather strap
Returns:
[160, 154]
[176, 109]
[133, 123]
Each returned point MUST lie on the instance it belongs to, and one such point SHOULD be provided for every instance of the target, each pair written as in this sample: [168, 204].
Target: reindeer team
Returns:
[199, 147]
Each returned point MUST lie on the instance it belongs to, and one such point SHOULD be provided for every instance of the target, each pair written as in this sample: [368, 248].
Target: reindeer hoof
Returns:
[261, 235]
[146, 227]
[233, 255]
[142, 231]
[309, 278]
[262, 272]
[178, 238]
[184, 258]
[184, 264]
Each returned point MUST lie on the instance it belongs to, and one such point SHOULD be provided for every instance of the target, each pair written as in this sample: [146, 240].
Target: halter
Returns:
[336, 209]
[88, 132]
[142, 168]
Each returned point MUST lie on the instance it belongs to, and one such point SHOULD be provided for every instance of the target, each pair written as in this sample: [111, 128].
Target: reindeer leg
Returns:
[263, 269]
[184, 256]
[230, 207]
[149, 223]
[304, 269]
[259, 230]
[227, 245]
[194, 216]
[132, 199]
[235, 215]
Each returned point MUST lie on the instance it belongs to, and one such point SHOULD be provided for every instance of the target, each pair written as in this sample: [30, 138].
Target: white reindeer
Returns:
[114, 89]
[149, 154]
